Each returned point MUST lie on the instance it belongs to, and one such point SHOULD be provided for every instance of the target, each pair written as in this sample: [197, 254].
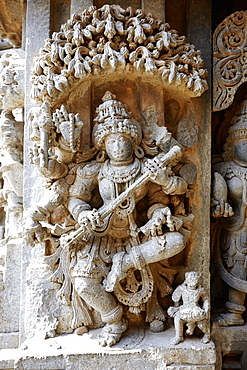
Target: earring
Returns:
[139, 152]
[101, 156]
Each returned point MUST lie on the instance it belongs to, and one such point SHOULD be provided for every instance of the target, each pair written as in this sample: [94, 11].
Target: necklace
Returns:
[120, 174]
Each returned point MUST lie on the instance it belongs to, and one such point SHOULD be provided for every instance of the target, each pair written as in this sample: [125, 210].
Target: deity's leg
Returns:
[205, 328]
[235, 304]
[179, 327]
[92, 292]
[156, 249]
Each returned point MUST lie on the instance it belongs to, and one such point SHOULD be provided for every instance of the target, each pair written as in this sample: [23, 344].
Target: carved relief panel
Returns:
[114, 139]
[229, 170]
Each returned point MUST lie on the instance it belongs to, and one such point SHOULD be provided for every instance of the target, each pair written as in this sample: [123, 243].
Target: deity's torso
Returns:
[114, 180]
[234, 236]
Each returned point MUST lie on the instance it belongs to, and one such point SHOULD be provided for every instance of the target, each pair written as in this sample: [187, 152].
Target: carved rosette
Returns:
[230, 58]
[111, 40]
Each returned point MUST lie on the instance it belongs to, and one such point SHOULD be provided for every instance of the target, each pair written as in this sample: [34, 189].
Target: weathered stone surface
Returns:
[128, 45]
[152, 352]
[229, 208]
[154, 74]
[231, 341]
[12, 80]
[11, 14]
[229, 43]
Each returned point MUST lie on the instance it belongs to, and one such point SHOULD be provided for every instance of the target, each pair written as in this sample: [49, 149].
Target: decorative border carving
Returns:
[111, 40]
[230, 58]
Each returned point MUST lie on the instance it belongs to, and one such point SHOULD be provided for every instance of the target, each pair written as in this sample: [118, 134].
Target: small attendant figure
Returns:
[190, 312]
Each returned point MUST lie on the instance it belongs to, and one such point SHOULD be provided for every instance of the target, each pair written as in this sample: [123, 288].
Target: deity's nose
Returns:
[116, 144]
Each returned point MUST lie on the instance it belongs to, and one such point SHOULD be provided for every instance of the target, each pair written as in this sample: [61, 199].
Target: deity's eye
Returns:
[110, 141]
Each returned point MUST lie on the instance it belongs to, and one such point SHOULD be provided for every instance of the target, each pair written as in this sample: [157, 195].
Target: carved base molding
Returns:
[231, 342]
[151, 351]
[9, 340]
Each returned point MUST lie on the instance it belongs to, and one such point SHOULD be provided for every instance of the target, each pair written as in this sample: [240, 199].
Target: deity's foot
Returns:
[81, 330]
[205, 338]
[176, 340]
[190, 328]
[157, 326]
[115, 274]
[112, 333]
[228, 319]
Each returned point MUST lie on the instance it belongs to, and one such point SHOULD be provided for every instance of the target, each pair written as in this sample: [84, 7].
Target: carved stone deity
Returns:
[123, 206]
[11, 170]
[190, 312]
[229, 203]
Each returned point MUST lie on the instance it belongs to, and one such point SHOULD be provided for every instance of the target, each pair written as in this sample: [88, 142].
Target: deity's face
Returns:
[119, 147]
[240, 152]
[192, 281]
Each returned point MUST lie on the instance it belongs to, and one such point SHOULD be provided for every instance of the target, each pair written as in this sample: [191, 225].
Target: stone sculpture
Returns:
[229, 204]
[229, 45]
[112, 40]
[190, 312]
[12, 172]
[104, 263]
[12, 76]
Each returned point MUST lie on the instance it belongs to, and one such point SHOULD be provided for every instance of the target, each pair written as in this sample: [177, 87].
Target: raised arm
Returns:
[80, 192]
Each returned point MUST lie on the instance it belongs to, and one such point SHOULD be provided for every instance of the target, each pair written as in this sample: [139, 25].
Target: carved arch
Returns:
[230, 59]
[111, 40]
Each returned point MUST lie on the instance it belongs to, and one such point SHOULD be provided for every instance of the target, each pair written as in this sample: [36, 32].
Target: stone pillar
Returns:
[157, 8]
[37, 30]
[199, 34]
[77, 6]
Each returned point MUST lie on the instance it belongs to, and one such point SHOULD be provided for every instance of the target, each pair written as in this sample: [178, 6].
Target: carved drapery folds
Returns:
[230, 61]
[111, 40]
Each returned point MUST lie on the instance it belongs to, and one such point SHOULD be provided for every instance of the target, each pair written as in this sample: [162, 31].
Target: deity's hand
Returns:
[34, 232]
[160, 217]
[52, 168]
[156, 173]
[220, 208]
[91, 219]
[68, 124]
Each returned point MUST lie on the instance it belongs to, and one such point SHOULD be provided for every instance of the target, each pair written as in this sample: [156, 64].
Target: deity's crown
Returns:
[113, 117]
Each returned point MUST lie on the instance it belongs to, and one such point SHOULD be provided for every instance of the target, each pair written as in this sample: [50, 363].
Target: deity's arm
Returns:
[164, 176]
[177, 295]
[80, 192]
[219, 201]
[205, 299]
[176, 185]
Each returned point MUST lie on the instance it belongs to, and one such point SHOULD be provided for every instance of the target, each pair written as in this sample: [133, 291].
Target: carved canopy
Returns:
[111, 40]
[230, 59]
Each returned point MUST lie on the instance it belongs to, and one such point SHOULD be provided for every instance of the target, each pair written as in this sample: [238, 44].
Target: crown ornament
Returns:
[113, 117]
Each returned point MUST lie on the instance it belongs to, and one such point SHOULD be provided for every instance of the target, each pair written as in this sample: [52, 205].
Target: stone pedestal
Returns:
[231, 341]
[139, 349]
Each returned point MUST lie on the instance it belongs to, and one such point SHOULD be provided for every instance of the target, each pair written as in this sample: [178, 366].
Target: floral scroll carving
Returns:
[111, 40]
[230, 61]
